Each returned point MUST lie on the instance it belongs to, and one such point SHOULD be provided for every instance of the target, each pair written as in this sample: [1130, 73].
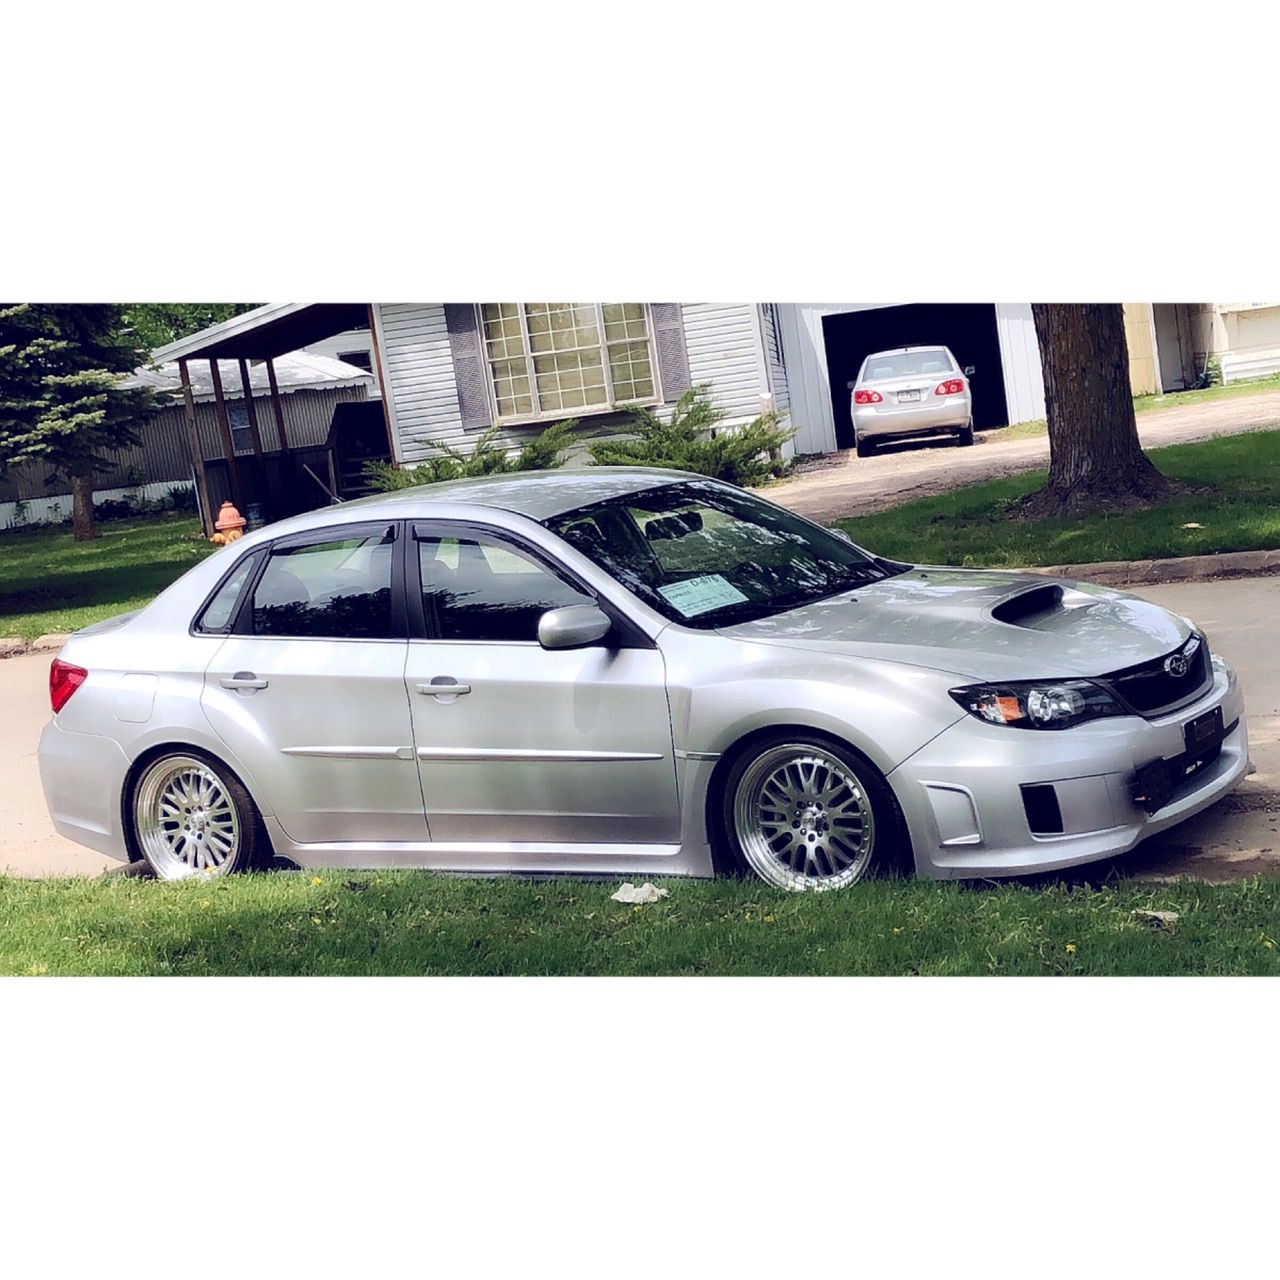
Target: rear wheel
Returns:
[805, 812]
[192, 816]
[965, 435]
[865, 447]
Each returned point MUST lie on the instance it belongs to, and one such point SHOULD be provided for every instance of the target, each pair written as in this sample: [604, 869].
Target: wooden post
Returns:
[224, 430]
[197, 453]
[275, 404]
[250, 408]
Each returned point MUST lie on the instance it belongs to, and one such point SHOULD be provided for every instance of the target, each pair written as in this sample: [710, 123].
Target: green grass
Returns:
[418, 923]
[48, 582]
[1145, 404]
[972, 526]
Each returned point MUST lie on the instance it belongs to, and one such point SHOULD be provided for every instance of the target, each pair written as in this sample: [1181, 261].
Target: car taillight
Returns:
[64, 680]
[952, 387]
[867, 397]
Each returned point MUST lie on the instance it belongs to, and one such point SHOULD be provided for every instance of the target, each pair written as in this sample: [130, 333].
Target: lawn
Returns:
[1239, 512]
[417, 923]
[50, 583]
[1146, 404]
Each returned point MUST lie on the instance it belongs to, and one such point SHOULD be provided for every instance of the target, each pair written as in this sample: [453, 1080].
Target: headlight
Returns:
[1038, 704]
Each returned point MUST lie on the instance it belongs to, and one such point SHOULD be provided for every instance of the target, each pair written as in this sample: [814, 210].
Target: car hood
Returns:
[982, 624]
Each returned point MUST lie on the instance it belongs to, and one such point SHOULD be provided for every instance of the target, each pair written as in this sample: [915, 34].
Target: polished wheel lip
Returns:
[185, 819]
[803, 819]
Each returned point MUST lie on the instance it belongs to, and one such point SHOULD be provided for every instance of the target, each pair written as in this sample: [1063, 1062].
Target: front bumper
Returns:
[935, 413]
[962, 793]
[83, 776]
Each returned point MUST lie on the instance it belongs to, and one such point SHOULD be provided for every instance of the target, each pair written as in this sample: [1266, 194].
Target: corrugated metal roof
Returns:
[298, 371]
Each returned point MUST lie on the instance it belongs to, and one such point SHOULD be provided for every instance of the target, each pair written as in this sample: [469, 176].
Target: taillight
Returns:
[64, 680]
[867, 397]
[952, 387]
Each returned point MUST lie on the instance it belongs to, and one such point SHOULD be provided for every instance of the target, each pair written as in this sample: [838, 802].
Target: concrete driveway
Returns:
[1239, 836]
[841, 484]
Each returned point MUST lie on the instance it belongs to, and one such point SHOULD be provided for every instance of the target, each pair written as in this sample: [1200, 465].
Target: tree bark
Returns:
[1095, 460]
[82, 529]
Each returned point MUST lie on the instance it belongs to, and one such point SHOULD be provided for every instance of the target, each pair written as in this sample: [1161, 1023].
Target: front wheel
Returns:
[192, 816]
[807, 813]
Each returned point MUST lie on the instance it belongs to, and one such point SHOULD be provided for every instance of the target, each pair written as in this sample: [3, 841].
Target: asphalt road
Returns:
[1239, 836]
[840, 485]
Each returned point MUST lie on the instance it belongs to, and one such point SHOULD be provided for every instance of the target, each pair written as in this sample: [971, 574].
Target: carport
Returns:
[969, 329]
[260, 335]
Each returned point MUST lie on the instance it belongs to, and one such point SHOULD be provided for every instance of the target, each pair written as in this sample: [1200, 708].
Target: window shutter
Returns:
[673, 356]
[468, 363]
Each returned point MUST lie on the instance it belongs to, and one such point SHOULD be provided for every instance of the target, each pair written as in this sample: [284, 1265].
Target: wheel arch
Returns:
[713, 798]
[153, 752]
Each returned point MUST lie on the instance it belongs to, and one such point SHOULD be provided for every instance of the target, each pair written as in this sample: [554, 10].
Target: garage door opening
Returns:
[968, 328]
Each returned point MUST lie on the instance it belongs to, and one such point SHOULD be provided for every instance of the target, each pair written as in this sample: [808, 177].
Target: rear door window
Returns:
[334, 587]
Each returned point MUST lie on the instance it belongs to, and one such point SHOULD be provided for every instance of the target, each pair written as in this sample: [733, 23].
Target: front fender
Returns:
[723, 692]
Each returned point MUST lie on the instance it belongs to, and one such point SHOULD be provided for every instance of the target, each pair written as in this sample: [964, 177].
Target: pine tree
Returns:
[62, 399]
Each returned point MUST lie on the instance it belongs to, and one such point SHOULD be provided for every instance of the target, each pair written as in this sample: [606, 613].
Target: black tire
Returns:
[965, 435]
[864, 447]
[223, 813]
[890, 852]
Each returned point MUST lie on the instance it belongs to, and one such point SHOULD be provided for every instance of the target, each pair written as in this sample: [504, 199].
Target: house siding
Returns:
[726, 351]
[423, 394]
[769, 328]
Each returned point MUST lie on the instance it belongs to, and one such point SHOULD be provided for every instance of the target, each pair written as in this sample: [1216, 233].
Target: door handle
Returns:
[242, 680]
[445, 685]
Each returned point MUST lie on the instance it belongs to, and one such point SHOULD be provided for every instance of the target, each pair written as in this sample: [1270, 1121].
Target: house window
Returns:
[361, 359]
[241, 432]
[548, 359]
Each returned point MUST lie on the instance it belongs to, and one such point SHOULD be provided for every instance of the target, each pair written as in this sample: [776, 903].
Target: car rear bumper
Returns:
[964, 801]
[82, 775]
[931, 414]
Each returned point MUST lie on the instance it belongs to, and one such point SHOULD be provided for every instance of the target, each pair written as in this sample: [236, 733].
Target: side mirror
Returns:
[968, 371]
[573, 627]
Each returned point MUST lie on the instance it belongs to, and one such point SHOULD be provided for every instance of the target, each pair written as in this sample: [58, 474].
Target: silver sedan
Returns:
[618, 670]
[910, 391]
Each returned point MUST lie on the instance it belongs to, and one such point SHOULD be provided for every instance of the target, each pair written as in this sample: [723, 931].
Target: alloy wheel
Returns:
[803, 819]
[186, 820]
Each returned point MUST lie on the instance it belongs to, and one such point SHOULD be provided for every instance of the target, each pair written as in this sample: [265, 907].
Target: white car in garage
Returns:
[910, 391]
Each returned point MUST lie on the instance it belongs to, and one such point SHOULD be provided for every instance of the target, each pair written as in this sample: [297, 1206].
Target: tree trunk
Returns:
[82, 509]
[1095, 460]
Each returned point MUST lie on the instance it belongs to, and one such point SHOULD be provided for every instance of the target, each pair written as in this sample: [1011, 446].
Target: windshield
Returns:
[904, 364]
[706, 555]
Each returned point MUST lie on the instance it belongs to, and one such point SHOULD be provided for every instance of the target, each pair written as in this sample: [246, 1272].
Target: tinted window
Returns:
[218, 612]
[902, 364]
[486, 590]
[705, 554]
[339, 588]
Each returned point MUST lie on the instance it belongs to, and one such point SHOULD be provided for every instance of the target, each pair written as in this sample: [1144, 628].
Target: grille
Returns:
[1151, 689]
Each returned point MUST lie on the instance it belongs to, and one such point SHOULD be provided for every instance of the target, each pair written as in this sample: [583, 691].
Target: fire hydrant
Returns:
[229, 525]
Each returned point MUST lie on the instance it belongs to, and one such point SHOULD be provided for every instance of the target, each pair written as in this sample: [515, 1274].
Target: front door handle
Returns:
[444, 686]
[242, 681]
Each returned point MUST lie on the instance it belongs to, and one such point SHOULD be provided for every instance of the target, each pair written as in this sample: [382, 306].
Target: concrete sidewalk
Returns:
[1239, 836]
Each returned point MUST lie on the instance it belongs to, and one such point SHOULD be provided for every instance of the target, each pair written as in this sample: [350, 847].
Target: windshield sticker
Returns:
[701, 595]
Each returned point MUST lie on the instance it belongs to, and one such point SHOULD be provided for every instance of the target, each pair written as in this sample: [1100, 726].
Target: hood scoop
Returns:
[1030, 608]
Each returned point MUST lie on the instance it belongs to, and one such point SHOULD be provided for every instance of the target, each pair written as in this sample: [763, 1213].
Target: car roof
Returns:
[538, 495]
[895, 351]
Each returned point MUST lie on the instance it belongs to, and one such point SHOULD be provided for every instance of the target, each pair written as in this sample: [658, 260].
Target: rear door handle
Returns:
[242, 680]
[445, 685]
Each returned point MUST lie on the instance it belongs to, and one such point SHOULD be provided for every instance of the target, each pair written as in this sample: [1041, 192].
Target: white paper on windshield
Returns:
[700, 595]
